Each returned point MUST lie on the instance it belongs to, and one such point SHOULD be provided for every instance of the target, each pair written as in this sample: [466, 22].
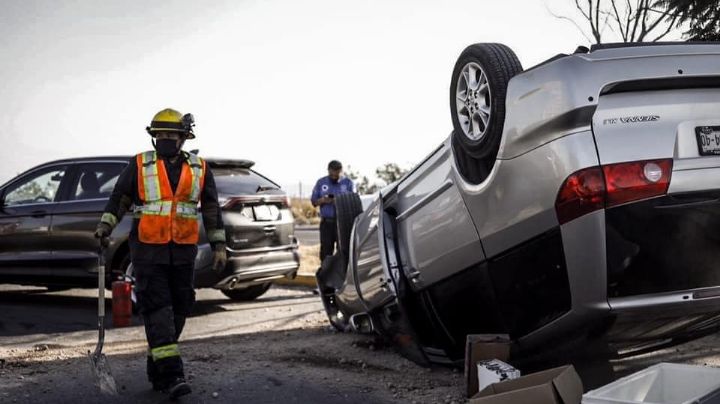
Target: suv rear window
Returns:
[240, 181]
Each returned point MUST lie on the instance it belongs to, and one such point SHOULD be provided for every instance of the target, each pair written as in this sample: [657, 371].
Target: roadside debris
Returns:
[494, 371]
[661, 383]
[555, 386]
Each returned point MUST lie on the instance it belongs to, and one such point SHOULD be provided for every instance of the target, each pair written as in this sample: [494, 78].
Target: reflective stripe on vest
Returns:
[166, 216]
[159, 208]
[196, 167]
[151, 180]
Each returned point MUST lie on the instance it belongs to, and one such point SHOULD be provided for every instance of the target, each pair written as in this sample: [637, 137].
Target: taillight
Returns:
[627, 182]
[595, 188]
[581, 193]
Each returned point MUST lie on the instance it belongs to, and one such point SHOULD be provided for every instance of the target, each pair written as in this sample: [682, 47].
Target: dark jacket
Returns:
[126, 194]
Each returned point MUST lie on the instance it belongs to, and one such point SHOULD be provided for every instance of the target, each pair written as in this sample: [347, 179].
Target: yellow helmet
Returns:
[170, 120]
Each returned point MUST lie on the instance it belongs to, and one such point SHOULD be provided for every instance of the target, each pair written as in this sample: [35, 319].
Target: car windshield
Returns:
[240, 181]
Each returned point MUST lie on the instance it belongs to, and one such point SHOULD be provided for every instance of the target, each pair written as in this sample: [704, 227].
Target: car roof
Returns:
[214, 162]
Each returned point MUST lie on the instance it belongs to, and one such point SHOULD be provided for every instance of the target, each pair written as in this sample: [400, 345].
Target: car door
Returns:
[26, 209]
[77, 215]
[438, 237]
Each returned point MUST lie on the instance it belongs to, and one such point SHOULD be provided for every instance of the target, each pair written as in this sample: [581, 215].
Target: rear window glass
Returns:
[240, 181]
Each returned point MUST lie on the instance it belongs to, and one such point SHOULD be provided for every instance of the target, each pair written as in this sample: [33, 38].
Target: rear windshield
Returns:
[240, 181]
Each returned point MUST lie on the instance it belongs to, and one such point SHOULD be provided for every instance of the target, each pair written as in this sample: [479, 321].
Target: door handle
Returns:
[269, 229]
[38, 213]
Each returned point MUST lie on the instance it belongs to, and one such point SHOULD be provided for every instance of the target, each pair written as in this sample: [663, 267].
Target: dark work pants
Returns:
[328, 238]
[165, 295]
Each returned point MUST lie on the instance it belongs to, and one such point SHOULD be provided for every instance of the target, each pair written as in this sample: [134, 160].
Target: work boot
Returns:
[177, 387]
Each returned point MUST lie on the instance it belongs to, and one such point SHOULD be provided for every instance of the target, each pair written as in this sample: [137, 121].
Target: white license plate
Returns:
[708, 138]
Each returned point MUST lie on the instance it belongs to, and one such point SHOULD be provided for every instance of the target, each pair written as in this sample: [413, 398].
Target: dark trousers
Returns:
[165, 295]
[328, 237]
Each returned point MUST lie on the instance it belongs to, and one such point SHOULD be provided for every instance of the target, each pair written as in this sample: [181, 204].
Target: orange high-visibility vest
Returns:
[165, 216]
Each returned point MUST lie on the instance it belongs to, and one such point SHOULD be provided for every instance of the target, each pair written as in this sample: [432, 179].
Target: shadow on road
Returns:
[37, 311]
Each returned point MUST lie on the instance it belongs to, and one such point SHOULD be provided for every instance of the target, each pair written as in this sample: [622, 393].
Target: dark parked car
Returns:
[48, 215]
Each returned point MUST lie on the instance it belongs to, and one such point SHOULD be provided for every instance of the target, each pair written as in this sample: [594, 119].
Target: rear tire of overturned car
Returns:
[477, 98]
[249, 293]
[347, 208]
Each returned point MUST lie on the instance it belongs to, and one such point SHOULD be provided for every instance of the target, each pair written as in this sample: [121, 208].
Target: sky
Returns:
[288, 84]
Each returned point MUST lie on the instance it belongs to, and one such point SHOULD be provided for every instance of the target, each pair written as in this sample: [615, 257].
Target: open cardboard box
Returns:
[479, 347]
[554, 386]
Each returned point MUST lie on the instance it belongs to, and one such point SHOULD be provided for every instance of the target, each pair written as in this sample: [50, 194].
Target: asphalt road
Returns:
[308, 235]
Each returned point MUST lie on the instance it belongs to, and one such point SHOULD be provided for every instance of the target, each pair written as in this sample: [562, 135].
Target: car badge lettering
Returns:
[631, 119]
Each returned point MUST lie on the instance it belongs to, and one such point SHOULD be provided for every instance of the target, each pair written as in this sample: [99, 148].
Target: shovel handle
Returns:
[101, 284]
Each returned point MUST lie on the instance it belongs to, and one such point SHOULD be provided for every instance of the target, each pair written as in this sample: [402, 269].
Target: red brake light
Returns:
[581, 193]
[627, 182]
[596, 188]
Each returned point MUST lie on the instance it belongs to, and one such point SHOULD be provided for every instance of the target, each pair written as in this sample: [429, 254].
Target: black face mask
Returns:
[167, 147]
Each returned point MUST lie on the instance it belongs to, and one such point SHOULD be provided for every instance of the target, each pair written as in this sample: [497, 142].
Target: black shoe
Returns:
[178, 387]
[157, 386]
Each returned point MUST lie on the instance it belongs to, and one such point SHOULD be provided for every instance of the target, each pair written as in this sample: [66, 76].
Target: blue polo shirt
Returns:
[325, 186]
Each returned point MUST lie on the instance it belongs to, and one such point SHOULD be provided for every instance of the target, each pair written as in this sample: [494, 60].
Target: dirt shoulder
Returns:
[277, 349]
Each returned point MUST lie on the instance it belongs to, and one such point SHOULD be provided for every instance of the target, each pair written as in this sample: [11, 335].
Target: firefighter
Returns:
[165, 186]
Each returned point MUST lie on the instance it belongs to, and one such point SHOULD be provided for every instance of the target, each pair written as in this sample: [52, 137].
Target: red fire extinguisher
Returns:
[122, 303]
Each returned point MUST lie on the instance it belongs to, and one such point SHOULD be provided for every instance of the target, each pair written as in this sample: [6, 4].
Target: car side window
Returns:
[39, 187]
[95, 180]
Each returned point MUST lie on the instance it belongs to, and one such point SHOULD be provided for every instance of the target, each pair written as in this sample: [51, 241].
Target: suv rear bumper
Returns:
[252, 266]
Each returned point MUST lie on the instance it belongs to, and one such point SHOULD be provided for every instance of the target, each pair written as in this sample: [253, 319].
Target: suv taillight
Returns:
[595, 188]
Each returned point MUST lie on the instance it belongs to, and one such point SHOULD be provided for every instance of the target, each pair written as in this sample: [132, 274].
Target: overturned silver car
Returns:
[576, 199]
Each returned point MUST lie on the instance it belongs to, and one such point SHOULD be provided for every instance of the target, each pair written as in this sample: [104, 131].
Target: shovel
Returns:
[98, 361]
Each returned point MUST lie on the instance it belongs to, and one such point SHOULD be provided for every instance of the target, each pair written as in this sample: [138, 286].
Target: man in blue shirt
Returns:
[323, 195]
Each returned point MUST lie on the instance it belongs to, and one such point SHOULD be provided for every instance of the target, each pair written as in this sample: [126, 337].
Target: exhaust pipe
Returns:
[233, 283]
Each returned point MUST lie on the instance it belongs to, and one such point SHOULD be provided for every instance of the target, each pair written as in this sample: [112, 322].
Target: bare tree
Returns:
[630, 20]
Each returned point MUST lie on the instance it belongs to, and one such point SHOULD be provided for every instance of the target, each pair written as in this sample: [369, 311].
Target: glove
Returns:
[102, 233]
[219, 258]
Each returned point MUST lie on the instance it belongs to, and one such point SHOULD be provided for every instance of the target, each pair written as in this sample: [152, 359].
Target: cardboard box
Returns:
[479, 347]
[555, 386]
[494, 371]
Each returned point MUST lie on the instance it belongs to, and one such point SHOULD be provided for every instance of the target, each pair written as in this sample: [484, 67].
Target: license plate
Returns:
[266, 213]
[708, 138]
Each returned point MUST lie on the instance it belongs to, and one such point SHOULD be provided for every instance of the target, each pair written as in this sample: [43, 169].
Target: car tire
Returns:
[477, 98]
[329, 278]
[347, 207]
[247, 294]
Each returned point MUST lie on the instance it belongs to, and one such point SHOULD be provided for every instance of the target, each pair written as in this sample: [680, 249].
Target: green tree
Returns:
[363, 185]
[701, 16]
[390, 172]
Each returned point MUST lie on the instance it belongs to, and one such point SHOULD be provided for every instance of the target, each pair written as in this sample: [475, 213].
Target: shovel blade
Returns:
[103, 376]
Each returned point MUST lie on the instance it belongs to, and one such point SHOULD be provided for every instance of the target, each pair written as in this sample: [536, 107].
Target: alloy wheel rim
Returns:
[473, 101]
